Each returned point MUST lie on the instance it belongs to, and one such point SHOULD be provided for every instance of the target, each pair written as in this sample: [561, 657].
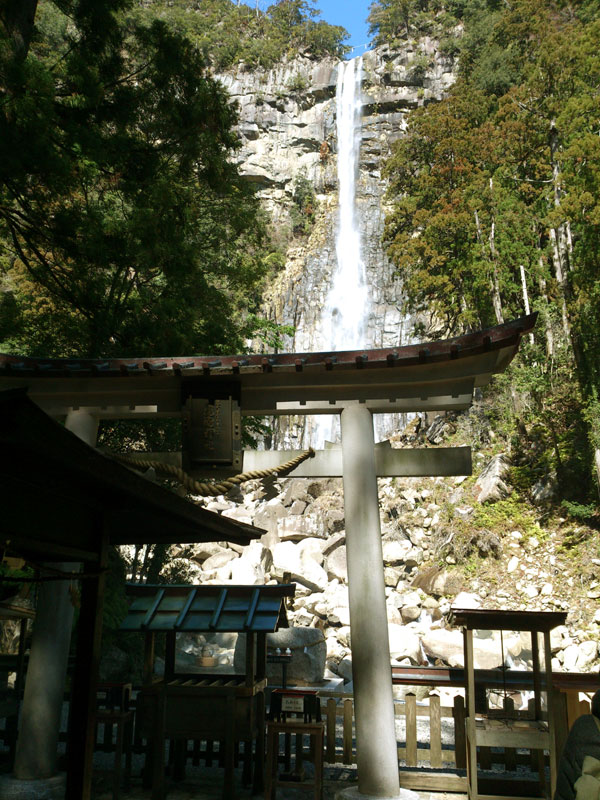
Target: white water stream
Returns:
[345, 312]
[346, 307]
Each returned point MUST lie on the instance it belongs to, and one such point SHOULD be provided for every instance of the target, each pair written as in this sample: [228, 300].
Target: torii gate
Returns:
[211, 394]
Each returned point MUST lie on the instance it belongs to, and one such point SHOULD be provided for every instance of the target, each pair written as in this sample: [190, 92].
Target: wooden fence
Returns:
[425, 759]
[430, 761]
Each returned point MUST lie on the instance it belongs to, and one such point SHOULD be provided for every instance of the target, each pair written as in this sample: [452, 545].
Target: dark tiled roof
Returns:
[59, 495]
[197, 608]
[471, 344]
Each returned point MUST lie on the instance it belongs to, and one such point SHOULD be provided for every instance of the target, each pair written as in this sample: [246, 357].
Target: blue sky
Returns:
[350, 14]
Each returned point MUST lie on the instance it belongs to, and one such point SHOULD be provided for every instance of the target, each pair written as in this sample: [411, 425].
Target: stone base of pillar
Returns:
[354, 794]
[53, 788]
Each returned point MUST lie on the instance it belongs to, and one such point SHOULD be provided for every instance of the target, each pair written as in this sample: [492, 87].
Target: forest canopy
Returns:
[125, 226]
[229, 33]
[495, 205]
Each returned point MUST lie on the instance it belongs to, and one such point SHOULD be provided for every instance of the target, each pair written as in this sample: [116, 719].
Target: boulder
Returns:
[404, 644]
[444, 645]
[410, 613]
[588, 651]
[491, 485]
[218, 560]
[467, 600]
[344, 668]
[202, 550]
[396, 551]
[251, 567]
[559, 638]
[438, 582]
[309, 651]
[391, 576]
[336, 566]
[295, 528]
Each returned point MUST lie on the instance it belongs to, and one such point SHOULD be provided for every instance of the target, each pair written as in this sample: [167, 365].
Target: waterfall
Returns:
[345, 311]
[346, 306]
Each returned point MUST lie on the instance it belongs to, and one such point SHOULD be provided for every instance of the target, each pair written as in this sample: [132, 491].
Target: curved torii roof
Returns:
[435, 375]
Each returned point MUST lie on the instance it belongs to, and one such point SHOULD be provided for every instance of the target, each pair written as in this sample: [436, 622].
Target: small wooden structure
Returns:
[63, 501]
[511, 730]
[297, 713]
[182, 706]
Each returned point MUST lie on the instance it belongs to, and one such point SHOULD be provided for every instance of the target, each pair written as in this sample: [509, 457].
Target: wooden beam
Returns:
[81, 733]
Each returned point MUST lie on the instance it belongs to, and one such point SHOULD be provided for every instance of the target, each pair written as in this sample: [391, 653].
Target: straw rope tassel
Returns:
[212, 489]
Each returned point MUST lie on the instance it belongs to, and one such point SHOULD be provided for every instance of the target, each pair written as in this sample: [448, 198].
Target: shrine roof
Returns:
[201, 608]
[489, 339]
[59, 496]
[493, 619]
[433, 375]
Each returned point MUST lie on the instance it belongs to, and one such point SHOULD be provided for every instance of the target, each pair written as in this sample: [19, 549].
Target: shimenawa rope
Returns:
[211, 489]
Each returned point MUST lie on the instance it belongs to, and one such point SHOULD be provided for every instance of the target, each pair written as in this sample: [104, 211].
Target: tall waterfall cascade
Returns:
[346, 307]
[338, 289]
[345, 312]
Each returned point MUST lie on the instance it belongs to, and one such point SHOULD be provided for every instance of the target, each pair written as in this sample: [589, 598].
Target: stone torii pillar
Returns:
[360, 462]
[376, 749]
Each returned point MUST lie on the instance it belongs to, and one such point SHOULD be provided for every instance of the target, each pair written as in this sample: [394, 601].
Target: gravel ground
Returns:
[207, 784]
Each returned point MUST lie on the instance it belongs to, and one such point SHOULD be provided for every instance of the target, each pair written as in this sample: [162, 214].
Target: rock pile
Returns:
[304, 542]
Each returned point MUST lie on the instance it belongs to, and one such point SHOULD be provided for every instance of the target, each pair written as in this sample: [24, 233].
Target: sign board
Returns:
[293, 703]
[212, 434]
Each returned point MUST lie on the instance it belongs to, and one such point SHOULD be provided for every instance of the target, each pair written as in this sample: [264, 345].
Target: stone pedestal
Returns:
[46, 789]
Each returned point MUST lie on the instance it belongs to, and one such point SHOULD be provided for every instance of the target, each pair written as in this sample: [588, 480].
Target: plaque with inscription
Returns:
[212, 434]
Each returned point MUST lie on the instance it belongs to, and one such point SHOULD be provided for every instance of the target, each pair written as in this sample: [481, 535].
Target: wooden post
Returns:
[148, 670]
[250, 650]
[551, 719]
[170, 656]
[471, 740]
[411, 729]
[82, 727]
[460, 745]
[435, 732]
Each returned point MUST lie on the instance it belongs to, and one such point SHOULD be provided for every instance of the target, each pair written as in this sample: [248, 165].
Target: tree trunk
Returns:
[547, 321]
[525, 296]
[17, 18]
[494, 287]
[558, 234]
[496, 299]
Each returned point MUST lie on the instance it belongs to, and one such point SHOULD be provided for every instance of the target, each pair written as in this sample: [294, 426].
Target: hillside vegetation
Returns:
[228, 33]
[495, 211]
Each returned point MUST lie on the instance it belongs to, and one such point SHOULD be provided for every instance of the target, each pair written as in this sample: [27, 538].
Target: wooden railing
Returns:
[432, 761]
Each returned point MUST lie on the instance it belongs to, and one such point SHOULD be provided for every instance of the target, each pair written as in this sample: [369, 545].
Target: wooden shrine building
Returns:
[63, 503]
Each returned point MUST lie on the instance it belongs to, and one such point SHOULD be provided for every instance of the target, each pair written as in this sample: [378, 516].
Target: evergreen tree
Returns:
[125, 225]
[495, 206]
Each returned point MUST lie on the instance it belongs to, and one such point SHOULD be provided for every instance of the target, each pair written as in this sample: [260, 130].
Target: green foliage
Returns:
[125, 224]
[494, 204]
[12, 587]
[392, 21]
[297, 83]
[507, 515]
[228, 33]
[582, 513]
[304, 208]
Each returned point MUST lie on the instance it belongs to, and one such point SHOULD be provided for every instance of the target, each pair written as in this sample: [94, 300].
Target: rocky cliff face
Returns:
[288, 129]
